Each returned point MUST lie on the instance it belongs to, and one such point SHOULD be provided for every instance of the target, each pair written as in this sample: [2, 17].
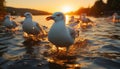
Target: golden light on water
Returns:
[60, 48]
[50, 60]
[67, 19]
[77, 65]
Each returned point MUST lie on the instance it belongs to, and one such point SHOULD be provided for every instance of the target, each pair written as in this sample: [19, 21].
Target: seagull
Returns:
[73, 22]
[60, 35]
[115, 18]
[84, 19]
[72, 19]
[30, 27]
[9, 23]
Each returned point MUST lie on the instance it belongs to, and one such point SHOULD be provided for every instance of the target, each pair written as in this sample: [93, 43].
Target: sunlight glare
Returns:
[66, 9]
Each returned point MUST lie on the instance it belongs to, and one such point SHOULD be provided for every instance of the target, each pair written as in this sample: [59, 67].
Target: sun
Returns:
[66, 9]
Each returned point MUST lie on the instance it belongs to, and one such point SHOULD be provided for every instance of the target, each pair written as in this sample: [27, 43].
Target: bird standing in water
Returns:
[59, 34]
[9, 23]
[31, 27]
[115, 18]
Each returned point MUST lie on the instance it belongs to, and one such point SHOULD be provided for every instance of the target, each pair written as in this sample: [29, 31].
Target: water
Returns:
[96, 48]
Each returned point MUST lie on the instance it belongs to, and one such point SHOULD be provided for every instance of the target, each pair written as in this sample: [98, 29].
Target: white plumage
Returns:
[84, 19]
[59, 34]
[9, 23]
[31, 27]
[116, 18]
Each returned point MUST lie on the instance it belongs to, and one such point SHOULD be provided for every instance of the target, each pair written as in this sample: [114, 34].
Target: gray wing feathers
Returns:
[41, 28]
[72, 32]
[14, 24]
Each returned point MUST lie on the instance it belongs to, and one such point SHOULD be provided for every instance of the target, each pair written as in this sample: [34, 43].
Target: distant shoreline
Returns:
[21, 11]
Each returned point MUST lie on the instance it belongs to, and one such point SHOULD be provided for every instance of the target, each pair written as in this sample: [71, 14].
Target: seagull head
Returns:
[57, 16]
[28, 15]
[115, 14]
[7, 17]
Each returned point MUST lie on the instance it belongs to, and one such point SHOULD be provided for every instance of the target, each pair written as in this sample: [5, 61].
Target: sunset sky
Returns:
[50, 5]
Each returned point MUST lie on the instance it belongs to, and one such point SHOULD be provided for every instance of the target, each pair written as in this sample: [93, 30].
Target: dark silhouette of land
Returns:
[2, 9]
[21, 11]
[100, 8]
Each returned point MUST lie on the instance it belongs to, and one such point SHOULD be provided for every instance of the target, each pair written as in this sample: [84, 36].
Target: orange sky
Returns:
[50, 5]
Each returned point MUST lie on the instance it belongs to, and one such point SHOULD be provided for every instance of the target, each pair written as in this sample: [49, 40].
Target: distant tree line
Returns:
[101, 9]
[2, 6]
[17, 11]
[21, 11]
[2, 9]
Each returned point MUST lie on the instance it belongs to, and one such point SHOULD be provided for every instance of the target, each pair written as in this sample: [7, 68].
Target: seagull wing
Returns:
[21, 22]
[14, 24]
[72, 32]
[41, 28]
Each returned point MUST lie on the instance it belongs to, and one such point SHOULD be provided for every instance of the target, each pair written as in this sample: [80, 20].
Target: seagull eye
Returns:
[58, 15]
[27, 14]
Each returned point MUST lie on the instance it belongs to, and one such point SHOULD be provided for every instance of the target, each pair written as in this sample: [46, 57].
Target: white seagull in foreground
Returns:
[31, 27]
[9, 23]
[59, 34]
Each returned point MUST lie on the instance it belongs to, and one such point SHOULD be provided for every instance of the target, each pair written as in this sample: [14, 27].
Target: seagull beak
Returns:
[49, 18]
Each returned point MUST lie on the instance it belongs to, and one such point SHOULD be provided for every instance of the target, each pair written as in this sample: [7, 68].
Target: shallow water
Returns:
[96, 48]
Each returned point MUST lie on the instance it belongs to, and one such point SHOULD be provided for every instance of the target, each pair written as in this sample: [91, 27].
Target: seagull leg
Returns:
[67, 48]
[57, 50]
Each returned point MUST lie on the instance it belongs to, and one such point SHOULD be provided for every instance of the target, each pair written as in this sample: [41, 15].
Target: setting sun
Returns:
[66, 9]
